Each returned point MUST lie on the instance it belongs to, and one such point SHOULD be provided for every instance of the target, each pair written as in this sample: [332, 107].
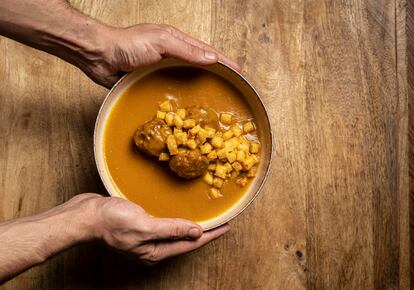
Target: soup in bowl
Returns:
[184, 141]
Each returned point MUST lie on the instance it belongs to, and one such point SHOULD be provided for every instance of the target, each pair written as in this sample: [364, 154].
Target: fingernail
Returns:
[210, 55]
[195, 233]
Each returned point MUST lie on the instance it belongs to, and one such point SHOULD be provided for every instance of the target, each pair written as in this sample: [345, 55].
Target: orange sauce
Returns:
[150, 183]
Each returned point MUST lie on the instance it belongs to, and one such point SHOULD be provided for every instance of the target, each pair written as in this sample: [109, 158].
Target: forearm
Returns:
[29, 241]
[53, 26]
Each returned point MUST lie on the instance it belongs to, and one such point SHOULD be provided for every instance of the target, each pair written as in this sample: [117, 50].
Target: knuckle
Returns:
[163, 35]
[150, 255]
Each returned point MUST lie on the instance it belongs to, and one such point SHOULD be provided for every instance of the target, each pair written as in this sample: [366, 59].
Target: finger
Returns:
[173, 229]
[163, 250]
[175, 47]
[196, 42]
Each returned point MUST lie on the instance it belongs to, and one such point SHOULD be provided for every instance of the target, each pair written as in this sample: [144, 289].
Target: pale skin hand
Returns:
[104, 53]
[118, 223]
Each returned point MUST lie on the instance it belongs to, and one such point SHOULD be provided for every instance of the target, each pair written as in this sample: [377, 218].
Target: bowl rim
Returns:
[272, 143]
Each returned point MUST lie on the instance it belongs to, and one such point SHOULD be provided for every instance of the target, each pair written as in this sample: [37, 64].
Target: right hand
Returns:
[126, 227]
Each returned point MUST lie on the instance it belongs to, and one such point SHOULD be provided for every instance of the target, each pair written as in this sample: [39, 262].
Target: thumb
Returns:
[174, 229]
[174, 47]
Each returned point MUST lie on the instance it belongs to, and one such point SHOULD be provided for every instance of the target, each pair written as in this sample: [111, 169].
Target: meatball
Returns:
[150, 137]
[203, 116]
[189, 163]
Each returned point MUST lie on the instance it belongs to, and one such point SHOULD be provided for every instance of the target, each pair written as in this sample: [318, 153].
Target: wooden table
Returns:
[334, 213]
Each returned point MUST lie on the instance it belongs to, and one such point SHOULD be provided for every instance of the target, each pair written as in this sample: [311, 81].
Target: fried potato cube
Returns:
[164, 157]
[256, 158]
[237, 131]
[234, 174]
[240, 156]
[202, 136]
[172, 145]
[249, 162]
[210, 132]
[217, 141]
[208, 178]
[176, 131]
[225, 118]
[165, 106]
[194, 130]
[178, 122]
[237, 166]
[214, 193]
[231, 156]
[182, 113]
[161, 115]
[206, 148]
[228, 166]
[169, 119]
[252, 172]
[242, 181]
[254, 147]
[181, 138]
[244, 148]
[212, 155]
[231, 144]
[228, 134]
[211, 167]
[189, 123]
[191, 144]
[218, 182]
[248, 127]
[222, 153]
[221, 171]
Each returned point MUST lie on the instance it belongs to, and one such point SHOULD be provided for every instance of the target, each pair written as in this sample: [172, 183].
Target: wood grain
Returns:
[334, 213]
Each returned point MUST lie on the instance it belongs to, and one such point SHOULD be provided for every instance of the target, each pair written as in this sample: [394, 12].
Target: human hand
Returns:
[126, 227]
[125, 49]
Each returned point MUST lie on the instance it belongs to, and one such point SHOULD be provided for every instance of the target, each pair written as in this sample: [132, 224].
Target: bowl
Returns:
[254, 101]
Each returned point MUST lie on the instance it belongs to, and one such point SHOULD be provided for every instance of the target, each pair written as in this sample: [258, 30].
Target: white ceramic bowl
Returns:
[261, 120]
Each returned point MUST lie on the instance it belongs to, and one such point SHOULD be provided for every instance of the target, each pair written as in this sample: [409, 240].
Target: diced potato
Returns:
[176, 131]
[181, 150]
[193, 131]
[206, 148]
[222, 153]
[181, 138]
[248, 127]
[164, 156]
[191, 144]
[243, 140]
[217, 142]
[182, 113]
[210, 132]
[221, 171]
[237, 166]
[189, 123]
[165, 106]
[228, 166]
[169, 119]
[202, 136]
[254, 147]
[226, 118]
[161, 115]
[237, 131]
[228, 134]
[252, 172]
[178, 122]
[214, 193]
[249, 162]
[211, 167]
[218, 182]
[256, 158]
[234, 174]
[172, 145]
[212, 155]
[231, 156]
[240, 156]
[243, 147]
[208, 178]
[242, 181]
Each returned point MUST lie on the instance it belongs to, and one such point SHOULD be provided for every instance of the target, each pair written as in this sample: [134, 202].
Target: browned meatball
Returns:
[150, 137]
[203, 116]
[189, 163]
